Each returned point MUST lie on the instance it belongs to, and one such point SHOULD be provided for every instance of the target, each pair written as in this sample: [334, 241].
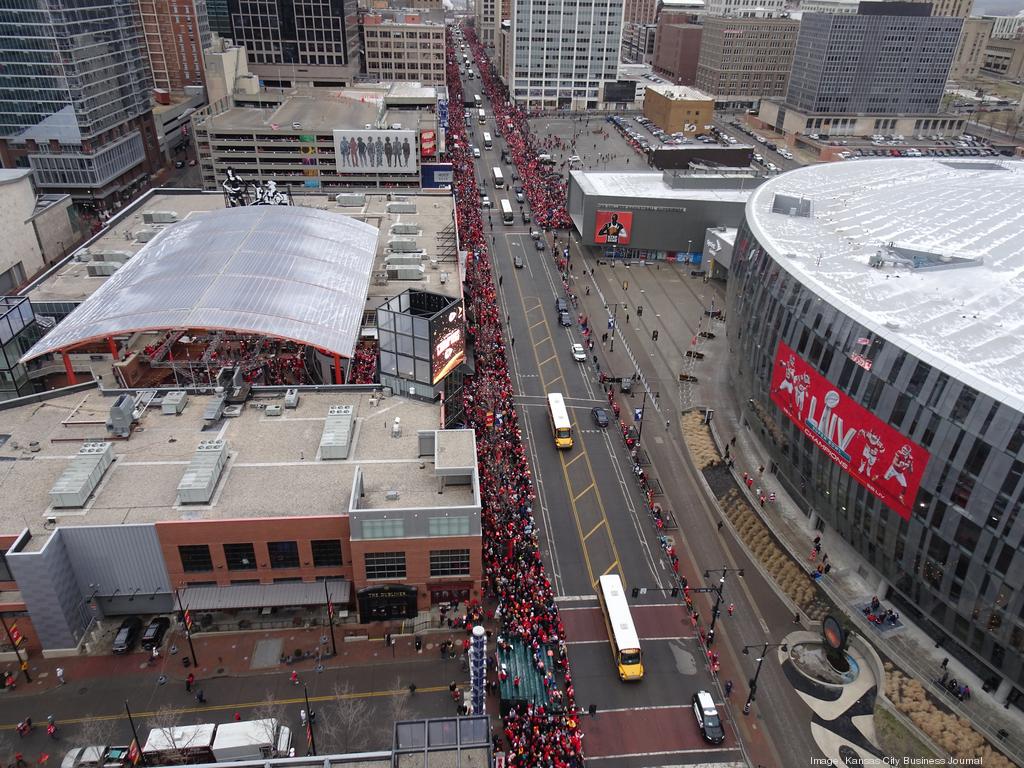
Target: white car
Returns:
[772, 167]
[486, 202]
[730, 139]
[578, 353]
[476, 151]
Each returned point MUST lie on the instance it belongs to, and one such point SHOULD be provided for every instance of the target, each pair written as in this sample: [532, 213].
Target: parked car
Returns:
[564, 319]
[561, 305]
[600, 416]
[578, 353]
[127, 634]
[517, 261]
[540, 244]
[153, 637]
[707, 717]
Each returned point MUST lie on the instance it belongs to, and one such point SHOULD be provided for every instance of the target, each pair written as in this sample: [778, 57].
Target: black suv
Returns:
[127, 634]
[153, 637]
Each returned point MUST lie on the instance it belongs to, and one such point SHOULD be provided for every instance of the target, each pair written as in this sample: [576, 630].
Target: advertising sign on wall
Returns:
[428, 143]
[385, 152]
[613, 228]
[447, 341]
[436, 175]
[877, 456]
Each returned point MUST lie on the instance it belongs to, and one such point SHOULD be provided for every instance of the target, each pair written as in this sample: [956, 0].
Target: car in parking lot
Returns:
[517, 261]
[564, 319]
[578, 353]
[153, 637]
[600, 417]
[127, 634]
[708, 721]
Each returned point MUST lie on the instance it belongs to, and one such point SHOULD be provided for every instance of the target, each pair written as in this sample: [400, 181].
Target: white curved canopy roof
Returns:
[286, 271]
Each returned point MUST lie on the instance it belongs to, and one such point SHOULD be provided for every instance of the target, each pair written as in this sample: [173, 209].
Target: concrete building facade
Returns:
[742, 8]
[76, 110]
[638, 43]
[1005, 57]
[829, 6]
[564, 51]
[888, 59]
[970, 52]
[400, 45]
[485, 15]
[677, 47]
[678, 108]
[1007, 27]
[743, 60]
[640, 11]
[177, 32]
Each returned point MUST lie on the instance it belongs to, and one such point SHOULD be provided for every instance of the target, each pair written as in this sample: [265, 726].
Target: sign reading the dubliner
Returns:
[877, 456]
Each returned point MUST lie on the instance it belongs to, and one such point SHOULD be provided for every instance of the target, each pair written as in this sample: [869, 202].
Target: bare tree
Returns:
[345, 721]
[269, 715]
[399, 705]
[98, 732]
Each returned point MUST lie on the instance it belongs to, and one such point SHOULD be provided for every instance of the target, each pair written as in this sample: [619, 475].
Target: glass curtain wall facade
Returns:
[954, 565]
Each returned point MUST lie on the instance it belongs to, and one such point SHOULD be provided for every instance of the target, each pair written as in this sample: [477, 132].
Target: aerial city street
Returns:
[621, 384]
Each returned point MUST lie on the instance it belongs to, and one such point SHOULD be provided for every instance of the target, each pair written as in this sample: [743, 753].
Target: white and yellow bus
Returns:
[487, 140]
[561, 429]
[621, 633]
[499, 178]
[507, 216]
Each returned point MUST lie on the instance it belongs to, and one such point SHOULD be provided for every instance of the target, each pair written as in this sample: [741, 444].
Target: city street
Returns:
[592, 517]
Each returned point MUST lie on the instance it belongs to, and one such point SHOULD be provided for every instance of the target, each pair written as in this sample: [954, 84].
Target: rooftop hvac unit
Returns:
[406, 273]
[350, 200]
[214, 408]
[273, 410]
[80, 479]
[159, 217]
[336, 439]
[444, 278]
[380, 278]
[402, 260]
[145, 235]
[115, 257]
[120, 419]
[403, 245]
[398, 197]
[83, 254]
[401, 208]
[174, 402]
[406, 229]
[200, 479]
[291, 398]
[103, 269]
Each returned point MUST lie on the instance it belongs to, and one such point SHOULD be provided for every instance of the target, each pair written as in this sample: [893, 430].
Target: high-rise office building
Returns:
[743, 7]
[485, 12]
[970, 53]
[640, 11]
[677, 47]
[75, 91]
[403, 45]
[743, 60]
[564, 51]
[888, 58]
[304, 32]
[177, 33]
[220, 17]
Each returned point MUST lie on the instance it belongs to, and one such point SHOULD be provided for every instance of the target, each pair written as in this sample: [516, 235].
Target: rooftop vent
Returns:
[159, 217]
[291, 398]
[336, 440]
[145, 235]
[174, 402]
[791, 205]
[121, 416]
[920, 261]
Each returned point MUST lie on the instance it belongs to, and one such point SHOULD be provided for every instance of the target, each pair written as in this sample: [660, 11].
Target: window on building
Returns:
[195, 558]
[449, 562]
[283, 554]
[240, 557]
[449, 526]
[967, 534]
[326, 552]
[385, 565]
[384, 529]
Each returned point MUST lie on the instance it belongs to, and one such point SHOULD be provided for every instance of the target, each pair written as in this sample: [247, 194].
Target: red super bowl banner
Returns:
[877, 456]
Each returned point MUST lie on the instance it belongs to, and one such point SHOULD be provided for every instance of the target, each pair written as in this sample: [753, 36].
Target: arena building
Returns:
[875, 326]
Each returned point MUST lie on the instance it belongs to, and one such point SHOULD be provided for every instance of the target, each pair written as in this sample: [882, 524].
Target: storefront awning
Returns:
[291, 594]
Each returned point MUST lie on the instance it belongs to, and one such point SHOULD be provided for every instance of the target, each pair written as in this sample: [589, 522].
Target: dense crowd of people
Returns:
[534, 735]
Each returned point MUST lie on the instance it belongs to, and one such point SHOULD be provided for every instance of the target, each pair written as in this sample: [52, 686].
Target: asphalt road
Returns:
[590, 514]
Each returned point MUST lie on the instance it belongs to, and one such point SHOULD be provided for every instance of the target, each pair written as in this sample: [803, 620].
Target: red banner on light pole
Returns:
[876, 455]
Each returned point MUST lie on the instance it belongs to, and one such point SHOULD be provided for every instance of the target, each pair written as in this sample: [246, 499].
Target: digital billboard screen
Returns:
[385, 152]
[447, 341]
[877, 456]
[613, 228]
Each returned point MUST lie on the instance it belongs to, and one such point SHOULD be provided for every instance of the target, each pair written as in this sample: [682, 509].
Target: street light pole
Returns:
[615, 314]
[643, 412]
[187, 618]
[753, 682]
[310, 737]
[718, 589]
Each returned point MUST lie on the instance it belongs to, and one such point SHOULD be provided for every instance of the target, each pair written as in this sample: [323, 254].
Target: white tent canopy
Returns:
[286, 271]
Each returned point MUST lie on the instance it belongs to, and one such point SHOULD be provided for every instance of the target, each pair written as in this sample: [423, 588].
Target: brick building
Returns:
[676, 108]
[677, 47]
[743, 60]
[177, 32]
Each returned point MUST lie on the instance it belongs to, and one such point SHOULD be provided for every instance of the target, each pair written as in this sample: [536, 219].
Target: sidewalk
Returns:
[234, 654]
[849, 583]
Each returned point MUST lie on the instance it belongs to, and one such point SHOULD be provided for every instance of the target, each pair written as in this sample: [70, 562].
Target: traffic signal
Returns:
[636, 592]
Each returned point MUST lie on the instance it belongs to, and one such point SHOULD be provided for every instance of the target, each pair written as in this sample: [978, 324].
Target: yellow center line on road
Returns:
[585, 490]
[580, 451]
[248, 705]
[593, 530]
